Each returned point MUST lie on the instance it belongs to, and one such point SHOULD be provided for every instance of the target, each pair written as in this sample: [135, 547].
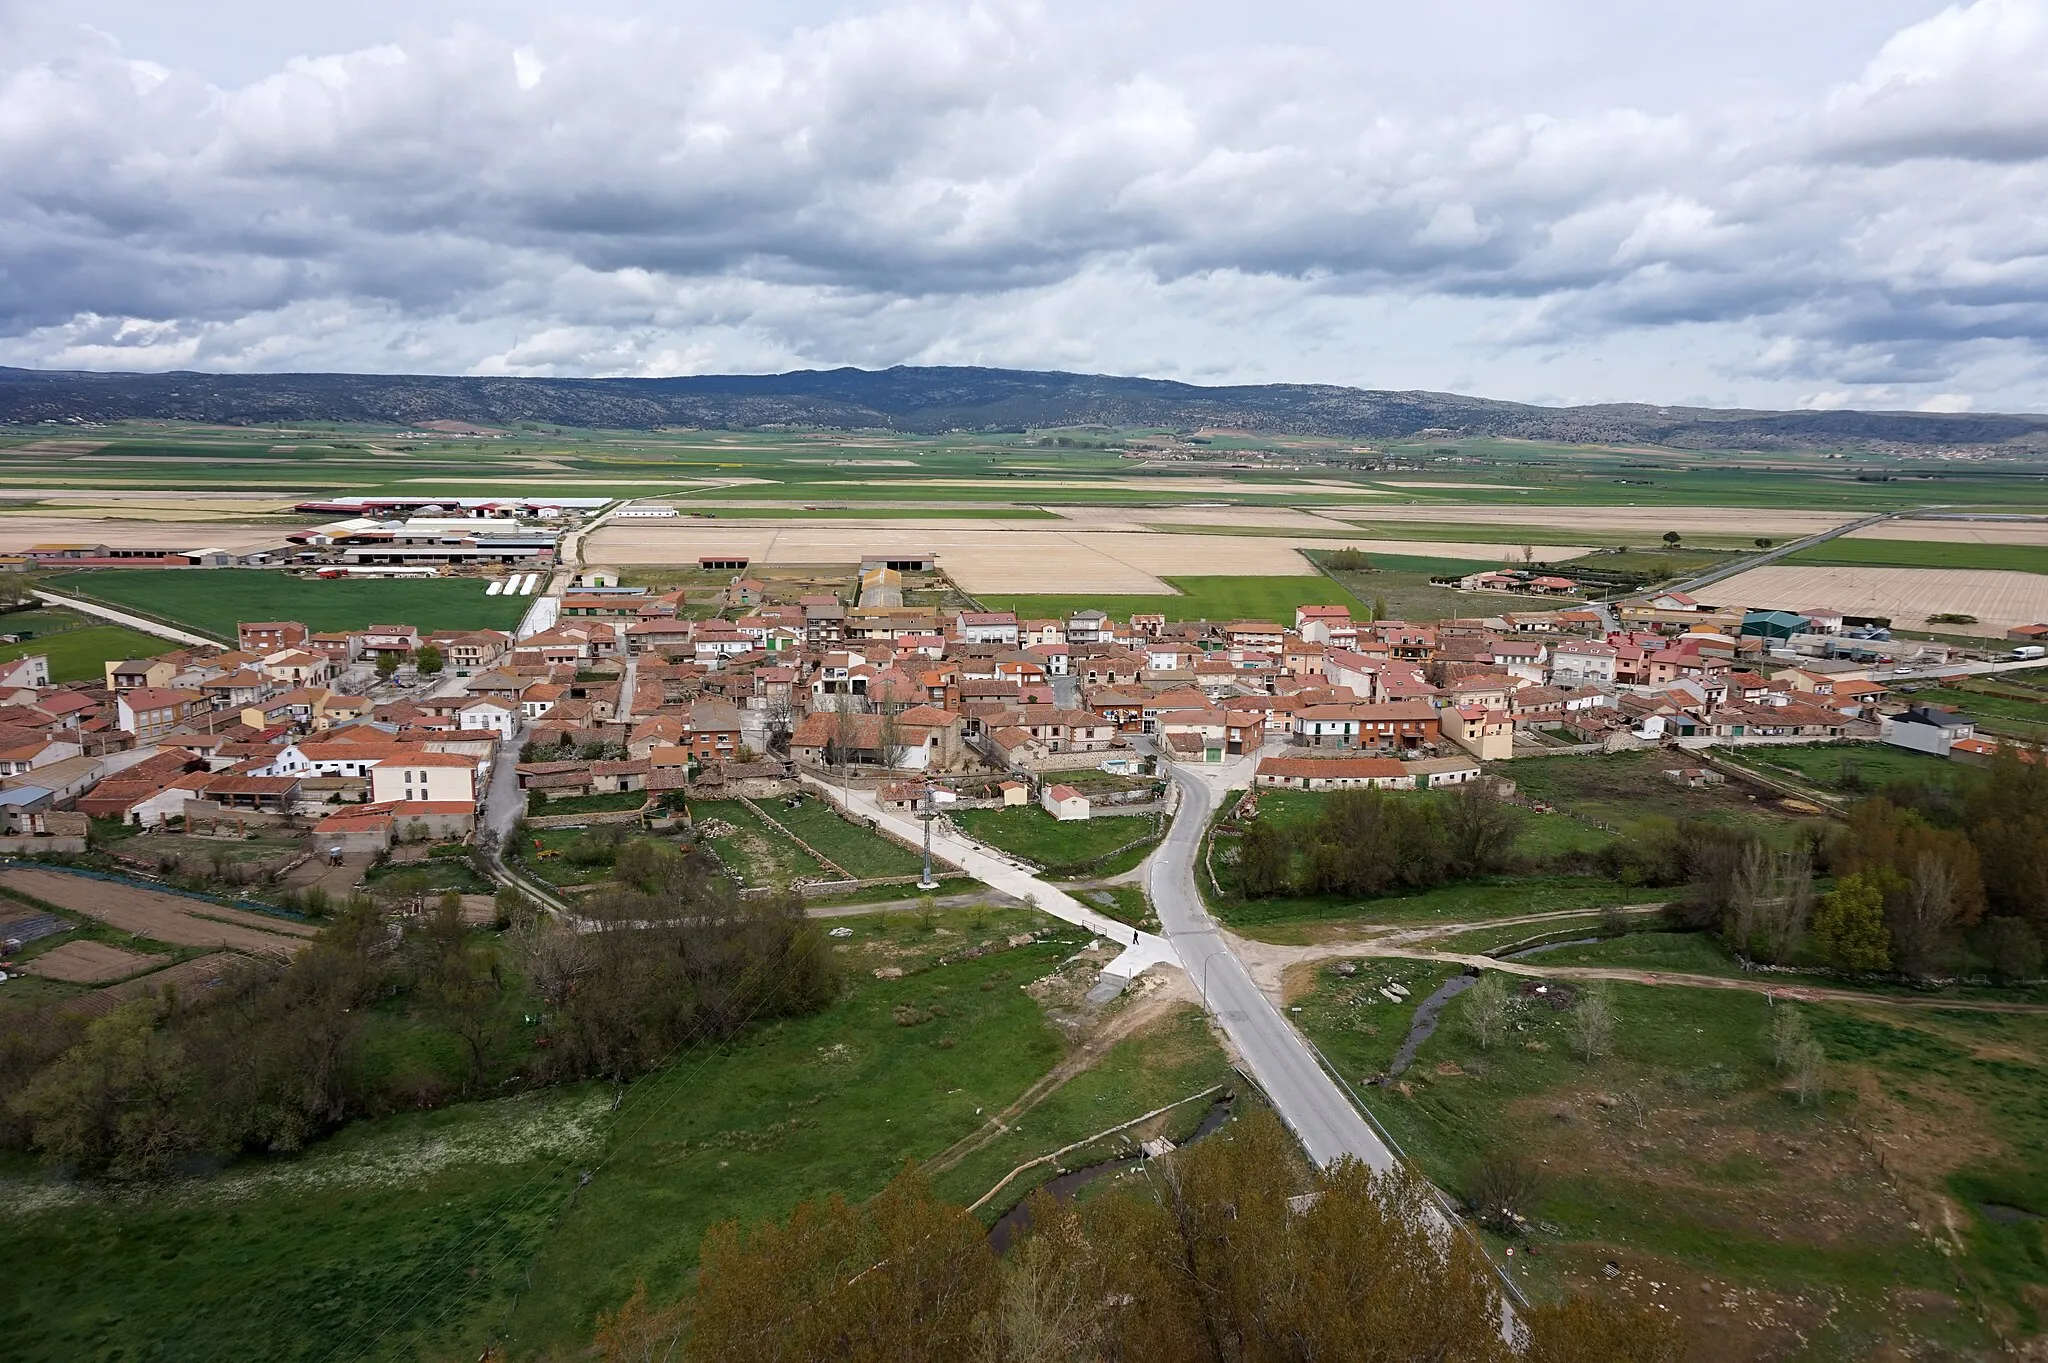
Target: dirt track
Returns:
[158, 916]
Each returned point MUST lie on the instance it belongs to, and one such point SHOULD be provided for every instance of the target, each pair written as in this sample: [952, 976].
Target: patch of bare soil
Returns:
[1722, 1321]
[189, 980]
[159, 916]
[90, 963]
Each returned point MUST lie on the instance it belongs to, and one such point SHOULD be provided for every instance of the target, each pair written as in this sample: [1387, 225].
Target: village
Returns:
[626, 709]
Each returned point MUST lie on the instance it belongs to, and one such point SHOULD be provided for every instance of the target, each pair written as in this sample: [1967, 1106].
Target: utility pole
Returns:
[927, 883]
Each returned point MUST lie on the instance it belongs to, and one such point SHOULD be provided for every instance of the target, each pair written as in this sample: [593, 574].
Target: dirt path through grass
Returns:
[1157, 1005]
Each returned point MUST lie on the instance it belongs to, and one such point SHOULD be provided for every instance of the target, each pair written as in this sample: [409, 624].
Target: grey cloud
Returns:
[990, 185]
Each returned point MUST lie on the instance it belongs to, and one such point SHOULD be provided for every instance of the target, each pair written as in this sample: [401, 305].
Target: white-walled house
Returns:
[1064, 802]
[488, 712]
[424, 776]
[1579, 661]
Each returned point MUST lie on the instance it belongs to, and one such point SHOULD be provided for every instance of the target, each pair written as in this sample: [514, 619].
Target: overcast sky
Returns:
[1754, 202]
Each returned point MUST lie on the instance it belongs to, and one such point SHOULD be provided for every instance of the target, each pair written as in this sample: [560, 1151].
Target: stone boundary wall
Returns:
[579, 820]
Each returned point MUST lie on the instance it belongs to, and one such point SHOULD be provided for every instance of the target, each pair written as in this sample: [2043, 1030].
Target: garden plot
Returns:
[185, 979]
[90, 963]
[158, 916]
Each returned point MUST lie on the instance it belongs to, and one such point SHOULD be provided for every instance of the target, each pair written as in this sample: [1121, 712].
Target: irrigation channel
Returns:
[1062, 1187]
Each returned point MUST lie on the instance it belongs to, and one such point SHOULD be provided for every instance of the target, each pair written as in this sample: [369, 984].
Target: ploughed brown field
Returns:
[161, 917]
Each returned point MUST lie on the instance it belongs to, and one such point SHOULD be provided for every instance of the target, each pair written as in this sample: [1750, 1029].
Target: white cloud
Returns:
[1003, 185]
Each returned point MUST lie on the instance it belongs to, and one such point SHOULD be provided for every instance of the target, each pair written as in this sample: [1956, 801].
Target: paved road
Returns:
[1772, 555]
[162, 631]
[1307, 1098]
[989, 866]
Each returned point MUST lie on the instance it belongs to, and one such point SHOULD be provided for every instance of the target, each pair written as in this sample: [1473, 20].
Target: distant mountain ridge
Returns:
[929, 401]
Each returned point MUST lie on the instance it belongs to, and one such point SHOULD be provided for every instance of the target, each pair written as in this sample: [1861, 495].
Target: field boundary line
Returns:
[144, 621]
[1004, 1181]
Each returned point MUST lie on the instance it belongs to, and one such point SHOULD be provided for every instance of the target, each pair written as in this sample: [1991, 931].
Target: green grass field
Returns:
[750, 849]
[1200, 598]
[435, 1234]
[1035, 835]
[82, 652]
[1613, 791]
[1847, 768]
[1682, 1157]
[1867, 553]
[862, 852]
[213, 602]
[1401, 584]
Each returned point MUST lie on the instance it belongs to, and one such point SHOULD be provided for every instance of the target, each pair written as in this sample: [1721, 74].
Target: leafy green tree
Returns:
[2015, 949]
[387, 664]
[111, 1105]
[1849, 925]
[1265, 861]
[429, 660]
[1242, 1255]
[1672, 538]
[1480, 829]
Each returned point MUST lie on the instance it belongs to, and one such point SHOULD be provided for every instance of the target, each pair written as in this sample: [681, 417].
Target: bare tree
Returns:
[1747, 895]
[1924, 912]
[1486, 1009]
[1809, 1073]
[889, 742]
[1591, 1024]
[1782, 914]
[1504, 1188]
[1788, 1034]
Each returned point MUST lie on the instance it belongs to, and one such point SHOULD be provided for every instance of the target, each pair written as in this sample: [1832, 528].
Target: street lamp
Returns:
[927, 813]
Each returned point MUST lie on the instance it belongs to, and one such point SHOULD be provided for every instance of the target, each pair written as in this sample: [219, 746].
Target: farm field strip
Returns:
[1904, 553]
[2031, 531]
[1907, 596]
[1008, 560]
[213, 600]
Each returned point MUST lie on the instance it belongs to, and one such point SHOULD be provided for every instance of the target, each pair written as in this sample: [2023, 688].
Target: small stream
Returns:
[1016, 1221]
[1542, 947]
[1423, 1027]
